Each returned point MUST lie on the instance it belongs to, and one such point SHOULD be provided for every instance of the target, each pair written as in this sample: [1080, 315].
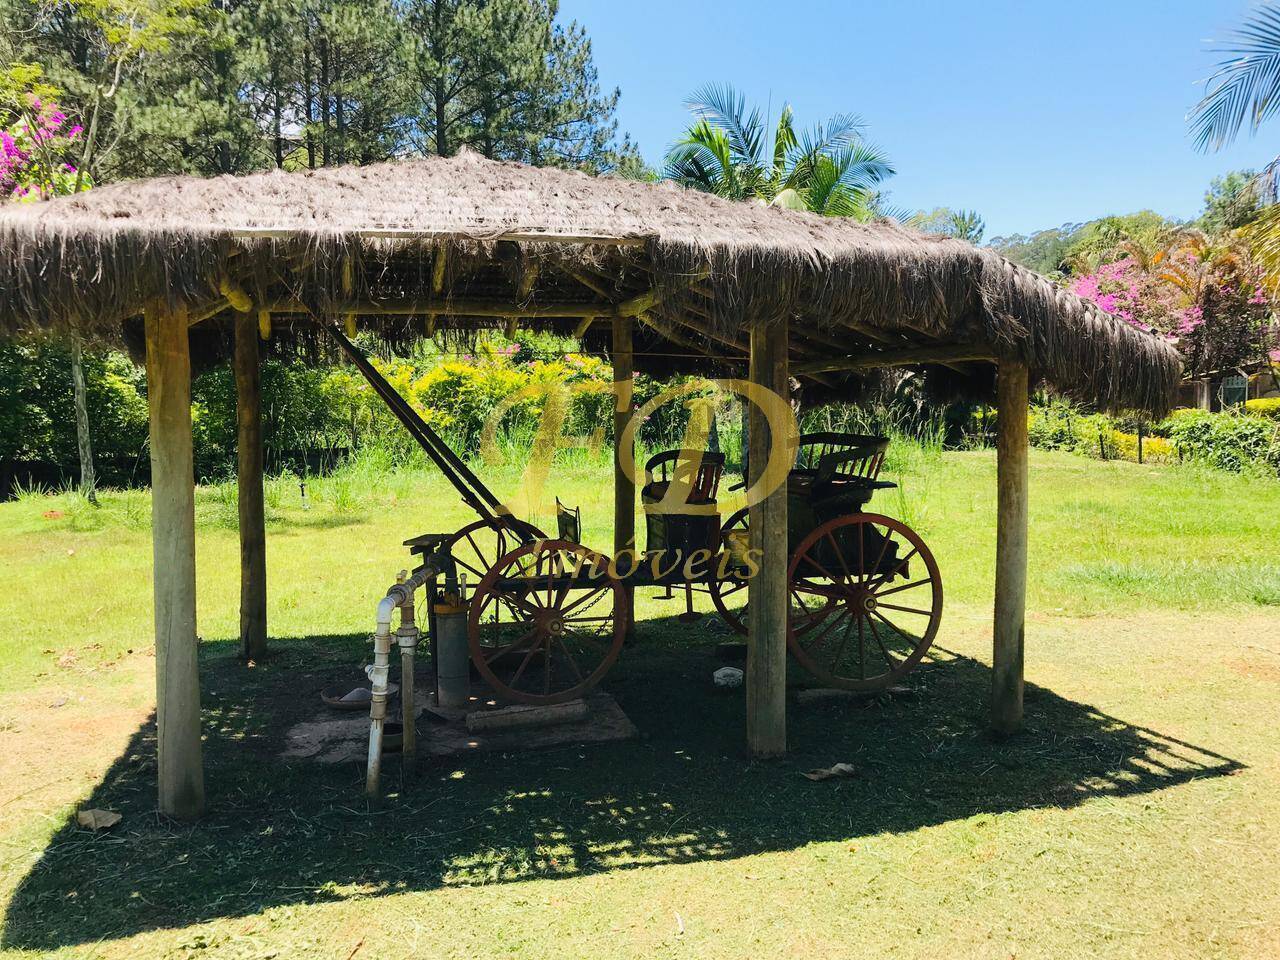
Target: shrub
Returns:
[1229, 441]
[1263, 407]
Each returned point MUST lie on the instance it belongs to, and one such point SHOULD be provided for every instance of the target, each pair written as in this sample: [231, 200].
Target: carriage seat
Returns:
[842, 467]
[663, 469]
[701, 470]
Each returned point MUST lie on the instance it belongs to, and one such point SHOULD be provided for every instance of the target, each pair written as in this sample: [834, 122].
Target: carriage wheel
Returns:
[866, 600]
[541, 634]
[722, 590]
[482, 543]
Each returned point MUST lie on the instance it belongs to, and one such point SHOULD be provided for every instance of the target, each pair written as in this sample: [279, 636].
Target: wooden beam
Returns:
[583, 326]
[202, 312]
[454, 308]
[437, 285]
[624, 466]
[438, 269]
[249, 457]
[868, 331]
[180, 771]
[528, 277]
[904, 357]
[767, 604]
[236, 296]
[1011, 548]
[644, 302]
[597, 288]
[348, 291]
[664, 328]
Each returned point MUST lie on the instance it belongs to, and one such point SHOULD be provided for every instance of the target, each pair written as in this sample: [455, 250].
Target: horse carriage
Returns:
[549, 616]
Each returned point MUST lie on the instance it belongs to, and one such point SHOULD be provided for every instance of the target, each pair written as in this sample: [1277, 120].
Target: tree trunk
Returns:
[84, 441]
[180, 770]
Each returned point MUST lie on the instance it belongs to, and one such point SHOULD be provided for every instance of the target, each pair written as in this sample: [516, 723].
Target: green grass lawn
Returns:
[1134, 816]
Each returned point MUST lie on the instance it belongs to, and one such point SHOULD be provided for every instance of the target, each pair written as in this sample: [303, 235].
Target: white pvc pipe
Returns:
[400, 595]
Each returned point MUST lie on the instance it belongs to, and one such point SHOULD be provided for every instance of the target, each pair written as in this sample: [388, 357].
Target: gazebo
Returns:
[661, 277]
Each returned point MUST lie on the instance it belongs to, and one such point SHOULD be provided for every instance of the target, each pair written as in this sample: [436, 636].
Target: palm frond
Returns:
[703, 158]
[1245, 88]
[841, 186]
[784, 142]
[1263, 237]
[724, 107]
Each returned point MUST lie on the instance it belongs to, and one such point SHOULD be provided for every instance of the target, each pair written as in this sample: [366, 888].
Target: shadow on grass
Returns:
[295, 832]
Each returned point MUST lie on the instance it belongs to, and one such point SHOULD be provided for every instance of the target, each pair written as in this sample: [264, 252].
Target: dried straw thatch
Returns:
[441, 242]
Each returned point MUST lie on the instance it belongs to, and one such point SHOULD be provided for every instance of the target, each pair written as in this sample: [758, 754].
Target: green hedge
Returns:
[1236, 441]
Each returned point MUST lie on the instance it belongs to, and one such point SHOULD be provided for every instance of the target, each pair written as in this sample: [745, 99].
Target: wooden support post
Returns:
[624, 483]
[767, 592]
[1011, 548]
[173, 535]
[253, 533]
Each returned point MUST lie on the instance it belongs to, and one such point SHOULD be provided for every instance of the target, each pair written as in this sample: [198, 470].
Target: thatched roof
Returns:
[433, 242]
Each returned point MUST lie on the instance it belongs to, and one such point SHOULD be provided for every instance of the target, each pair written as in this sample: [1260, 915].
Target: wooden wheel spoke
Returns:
[813, 614]
[515, 602]
[903, 586]
[889, 658]
[590, 641]
[884, 548]
[583, 599]
[572, 662]
[818, 641]
[533, 648]
[862, 651]
[821, 569]
[894, 606]
[500, 652]
[800, 602]
[898, 567]
[848, 577]
[468, 567]
[844, 640]
[910, 640]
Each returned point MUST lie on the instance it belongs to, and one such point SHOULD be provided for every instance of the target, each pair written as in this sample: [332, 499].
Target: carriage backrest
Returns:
[841, 456]
[672, 465]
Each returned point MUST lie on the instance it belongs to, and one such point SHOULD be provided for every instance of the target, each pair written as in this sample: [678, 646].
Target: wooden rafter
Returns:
[905, 357]
[452, 307]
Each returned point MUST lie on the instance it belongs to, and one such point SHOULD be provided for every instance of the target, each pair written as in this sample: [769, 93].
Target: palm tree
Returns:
[829, 169]
[1242, 92]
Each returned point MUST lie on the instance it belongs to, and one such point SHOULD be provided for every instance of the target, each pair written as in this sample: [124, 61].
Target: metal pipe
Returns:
[377, 674]
[398, 596]
[407, 637]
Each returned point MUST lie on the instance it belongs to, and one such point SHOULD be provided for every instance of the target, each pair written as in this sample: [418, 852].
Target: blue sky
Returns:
[1033, 113]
